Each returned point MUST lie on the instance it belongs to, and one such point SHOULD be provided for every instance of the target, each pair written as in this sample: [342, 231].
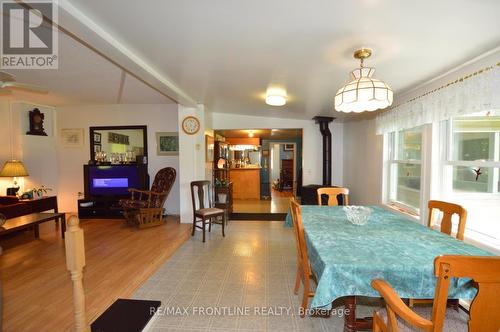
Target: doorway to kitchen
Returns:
[260, 172]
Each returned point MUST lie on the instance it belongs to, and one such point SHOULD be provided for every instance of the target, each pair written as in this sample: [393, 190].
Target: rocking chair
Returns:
[145, 208]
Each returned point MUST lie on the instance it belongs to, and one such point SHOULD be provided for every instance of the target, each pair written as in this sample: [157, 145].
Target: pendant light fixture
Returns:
[363, 93]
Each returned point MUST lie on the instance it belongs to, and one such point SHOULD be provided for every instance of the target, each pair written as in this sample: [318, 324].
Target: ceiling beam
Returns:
[82, 27]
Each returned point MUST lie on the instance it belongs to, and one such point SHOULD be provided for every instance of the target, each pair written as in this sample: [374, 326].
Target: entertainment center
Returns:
[105, 185]
[118, 161]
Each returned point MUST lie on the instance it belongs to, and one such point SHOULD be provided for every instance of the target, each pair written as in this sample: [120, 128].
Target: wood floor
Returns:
[284, 193]
[36, 285]
[274, 205]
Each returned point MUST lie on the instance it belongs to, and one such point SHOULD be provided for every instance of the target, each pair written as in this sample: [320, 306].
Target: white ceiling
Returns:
[85, 77]
[224, 53]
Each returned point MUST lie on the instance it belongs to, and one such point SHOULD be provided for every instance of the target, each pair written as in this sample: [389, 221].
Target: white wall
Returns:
[363, 160]
[275, 163]
[311, 141]
[6, 139]
[192, 165]
[157, 118]
[38, 153]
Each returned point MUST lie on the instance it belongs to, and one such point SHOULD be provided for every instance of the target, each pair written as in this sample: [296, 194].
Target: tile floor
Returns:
[251, 270]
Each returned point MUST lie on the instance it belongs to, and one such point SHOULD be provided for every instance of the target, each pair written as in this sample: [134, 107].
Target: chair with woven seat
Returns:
[145, 207]
[483, 317]
[304, 271]
[333, 194]
[203, 210]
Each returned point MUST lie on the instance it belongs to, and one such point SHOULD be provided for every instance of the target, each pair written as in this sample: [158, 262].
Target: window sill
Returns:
[403, 211]
[482, 241]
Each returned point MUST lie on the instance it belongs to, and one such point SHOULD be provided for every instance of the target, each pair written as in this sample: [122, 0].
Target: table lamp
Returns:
[14, 169]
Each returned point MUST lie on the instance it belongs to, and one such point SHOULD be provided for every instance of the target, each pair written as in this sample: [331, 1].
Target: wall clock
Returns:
[190, 125]
[36, 123]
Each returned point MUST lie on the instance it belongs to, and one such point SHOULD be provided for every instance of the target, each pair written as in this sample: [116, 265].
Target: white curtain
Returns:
[480, 92]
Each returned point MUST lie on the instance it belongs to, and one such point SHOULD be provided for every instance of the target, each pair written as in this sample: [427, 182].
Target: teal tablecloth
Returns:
[345, 257]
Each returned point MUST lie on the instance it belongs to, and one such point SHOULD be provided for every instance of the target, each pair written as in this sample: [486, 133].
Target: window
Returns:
[405, 154]
[471, 170]
[474, 156]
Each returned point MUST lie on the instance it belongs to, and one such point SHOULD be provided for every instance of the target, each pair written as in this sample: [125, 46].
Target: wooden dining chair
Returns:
[484, 311]
[304, 271]
[448, 209]
[332, 194]
[203, 211]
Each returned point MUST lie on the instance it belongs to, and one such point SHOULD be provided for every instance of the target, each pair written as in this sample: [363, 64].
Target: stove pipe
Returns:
[323, 122]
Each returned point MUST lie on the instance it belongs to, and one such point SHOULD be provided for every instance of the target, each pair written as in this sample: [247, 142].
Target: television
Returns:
[114, 180]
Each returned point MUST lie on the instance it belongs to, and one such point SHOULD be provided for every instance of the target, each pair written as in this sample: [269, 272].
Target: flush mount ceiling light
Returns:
[276, 97]
[363, 93]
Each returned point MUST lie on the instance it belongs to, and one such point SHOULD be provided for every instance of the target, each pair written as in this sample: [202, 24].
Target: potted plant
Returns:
[221, 196]
[39, 192]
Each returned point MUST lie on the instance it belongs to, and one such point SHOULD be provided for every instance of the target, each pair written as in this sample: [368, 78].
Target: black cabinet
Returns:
[102, 208]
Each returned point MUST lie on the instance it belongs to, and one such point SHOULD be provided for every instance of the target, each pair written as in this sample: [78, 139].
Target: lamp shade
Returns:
[13, 168]
[363, 93]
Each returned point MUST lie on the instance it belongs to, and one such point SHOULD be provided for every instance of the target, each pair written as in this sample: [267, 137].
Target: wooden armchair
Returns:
[484, 310]
[145, 207]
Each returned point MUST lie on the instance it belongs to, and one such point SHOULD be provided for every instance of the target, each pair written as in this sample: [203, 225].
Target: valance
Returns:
[477, 92]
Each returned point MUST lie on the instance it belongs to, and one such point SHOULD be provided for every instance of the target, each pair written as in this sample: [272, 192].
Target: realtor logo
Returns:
[29, 35]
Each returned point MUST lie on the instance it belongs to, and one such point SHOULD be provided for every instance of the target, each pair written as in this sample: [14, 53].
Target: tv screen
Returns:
[112, 180]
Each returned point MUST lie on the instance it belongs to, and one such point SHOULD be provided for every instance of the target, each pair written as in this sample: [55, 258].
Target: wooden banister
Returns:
[75, 262]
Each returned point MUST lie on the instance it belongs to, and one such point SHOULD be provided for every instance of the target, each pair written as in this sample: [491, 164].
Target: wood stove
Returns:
[309, 192]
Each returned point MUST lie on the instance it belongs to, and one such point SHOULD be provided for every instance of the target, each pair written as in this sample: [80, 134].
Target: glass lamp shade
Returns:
[363, 93]
[13, 168]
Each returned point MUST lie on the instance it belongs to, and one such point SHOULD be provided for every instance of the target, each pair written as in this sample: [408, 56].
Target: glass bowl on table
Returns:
[357, 215]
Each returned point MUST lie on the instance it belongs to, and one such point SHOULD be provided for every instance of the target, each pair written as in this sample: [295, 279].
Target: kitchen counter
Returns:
[245, 168]
[246, 182]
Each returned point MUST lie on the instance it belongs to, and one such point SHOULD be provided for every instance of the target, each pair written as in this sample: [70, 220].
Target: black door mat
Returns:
[126, 315]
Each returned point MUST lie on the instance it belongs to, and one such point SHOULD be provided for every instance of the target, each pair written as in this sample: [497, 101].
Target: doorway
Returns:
[282, 176]
[264, 169]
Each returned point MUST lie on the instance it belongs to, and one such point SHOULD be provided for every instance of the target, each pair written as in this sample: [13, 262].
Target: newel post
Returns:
[75, 261]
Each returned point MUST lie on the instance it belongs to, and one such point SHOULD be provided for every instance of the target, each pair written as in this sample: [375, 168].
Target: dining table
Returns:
[346, 257]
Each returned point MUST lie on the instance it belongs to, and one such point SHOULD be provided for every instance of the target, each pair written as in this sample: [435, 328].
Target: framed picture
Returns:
[97, 138]
[265, 153]
[97, 147]
[72, 138]
[288, 147]
[117, 138]
[209, 149]
[167, 144]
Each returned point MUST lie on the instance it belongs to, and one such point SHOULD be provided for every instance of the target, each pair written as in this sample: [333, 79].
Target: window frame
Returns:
[393, 161]
[448, 163]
